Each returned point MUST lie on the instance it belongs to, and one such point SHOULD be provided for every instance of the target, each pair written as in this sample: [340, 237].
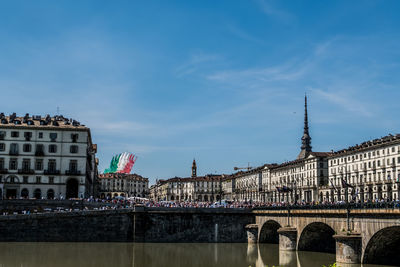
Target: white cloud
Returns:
[345, 101]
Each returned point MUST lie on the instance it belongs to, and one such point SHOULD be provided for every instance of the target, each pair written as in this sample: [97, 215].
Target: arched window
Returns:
[50, 194]
[37, 193]
[24, 193]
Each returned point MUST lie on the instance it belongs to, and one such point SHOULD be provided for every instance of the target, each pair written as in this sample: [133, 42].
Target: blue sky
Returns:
[219, 81]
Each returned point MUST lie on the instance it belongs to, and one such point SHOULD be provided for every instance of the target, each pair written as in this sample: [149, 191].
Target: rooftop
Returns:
[37, 121]
[375, 143]
[128, 176]
[208, 177]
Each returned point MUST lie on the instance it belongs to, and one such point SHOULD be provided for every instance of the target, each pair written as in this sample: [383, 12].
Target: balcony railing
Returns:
[54, 172]
[72, 172]
[14, 153]
[3, 171]
[26, 171]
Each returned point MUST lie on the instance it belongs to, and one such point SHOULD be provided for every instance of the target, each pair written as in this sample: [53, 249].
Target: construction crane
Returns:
[244, 168]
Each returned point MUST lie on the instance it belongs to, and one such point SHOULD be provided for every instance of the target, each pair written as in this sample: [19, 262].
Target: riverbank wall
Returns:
[140, 224]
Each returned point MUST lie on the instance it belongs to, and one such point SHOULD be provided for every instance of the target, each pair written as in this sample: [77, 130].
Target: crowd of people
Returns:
[130, 203]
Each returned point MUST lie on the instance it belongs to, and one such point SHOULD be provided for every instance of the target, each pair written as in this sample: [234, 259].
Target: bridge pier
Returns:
[348, 249]
[252, 233]
[287, 238]
[287, 258]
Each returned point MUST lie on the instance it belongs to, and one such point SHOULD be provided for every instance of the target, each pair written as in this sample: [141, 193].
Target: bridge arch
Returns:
[269, 232]
[384, 247]
[317, 237]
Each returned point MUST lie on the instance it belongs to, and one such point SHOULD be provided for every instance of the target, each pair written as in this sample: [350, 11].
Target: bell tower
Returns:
[194, 169]
[305, 139]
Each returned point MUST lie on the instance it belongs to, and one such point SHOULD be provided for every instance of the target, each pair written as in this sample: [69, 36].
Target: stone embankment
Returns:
[140, 224]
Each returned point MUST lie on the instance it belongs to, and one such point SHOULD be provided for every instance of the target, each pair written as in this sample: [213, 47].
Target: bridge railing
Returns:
[369, 205]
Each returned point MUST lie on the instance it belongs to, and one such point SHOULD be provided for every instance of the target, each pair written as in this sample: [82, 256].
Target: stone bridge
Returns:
[373, 236]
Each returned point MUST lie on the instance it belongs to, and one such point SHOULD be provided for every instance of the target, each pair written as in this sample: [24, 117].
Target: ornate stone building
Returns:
[46, 157]
[196, 188]
[124, 185]
[228, 187]
[372, 168]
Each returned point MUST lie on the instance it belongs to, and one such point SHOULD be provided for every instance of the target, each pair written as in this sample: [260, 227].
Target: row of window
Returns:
[26, 164]
[28, 135]
[25, 180]
[370, 164]
[14, 148]
[130, 185]
[365, 155]
[368, 178]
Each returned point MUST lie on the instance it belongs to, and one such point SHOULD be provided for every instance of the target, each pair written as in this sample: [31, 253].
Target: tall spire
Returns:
[306, 139]
[194, 169]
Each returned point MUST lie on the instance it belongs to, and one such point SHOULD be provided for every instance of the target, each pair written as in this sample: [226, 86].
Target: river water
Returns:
[151, 254]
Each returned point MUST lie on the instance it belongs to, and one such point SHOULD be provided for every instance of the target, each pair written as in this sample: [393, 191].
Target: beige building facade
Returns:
[123, 185]
[46, 157]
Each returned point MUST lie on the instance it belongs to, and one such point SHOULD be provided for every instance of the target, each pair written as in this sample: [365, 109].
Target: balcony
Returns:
[13, 153]
[3, 171]
[51, 172]
[72, 172]
[26, 171]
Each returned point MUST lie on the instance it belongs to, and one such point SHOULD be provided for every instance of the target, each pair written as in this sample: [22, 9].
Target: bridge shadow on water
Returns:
[156, 255]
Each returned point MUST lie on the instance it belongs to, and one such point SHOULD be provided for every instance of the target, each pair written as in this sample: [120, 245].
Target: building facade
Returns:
[371, 168]
[124, 185]
[206, 188]
[46, 157]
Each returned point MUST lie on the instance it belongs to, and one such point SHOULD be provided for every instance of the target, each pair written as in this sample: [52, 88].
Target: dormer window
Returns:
[53, 136]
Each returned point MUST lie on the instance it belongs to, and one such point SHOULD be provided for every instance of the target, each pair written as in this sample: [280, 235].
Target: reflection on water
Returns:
[149, 255]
